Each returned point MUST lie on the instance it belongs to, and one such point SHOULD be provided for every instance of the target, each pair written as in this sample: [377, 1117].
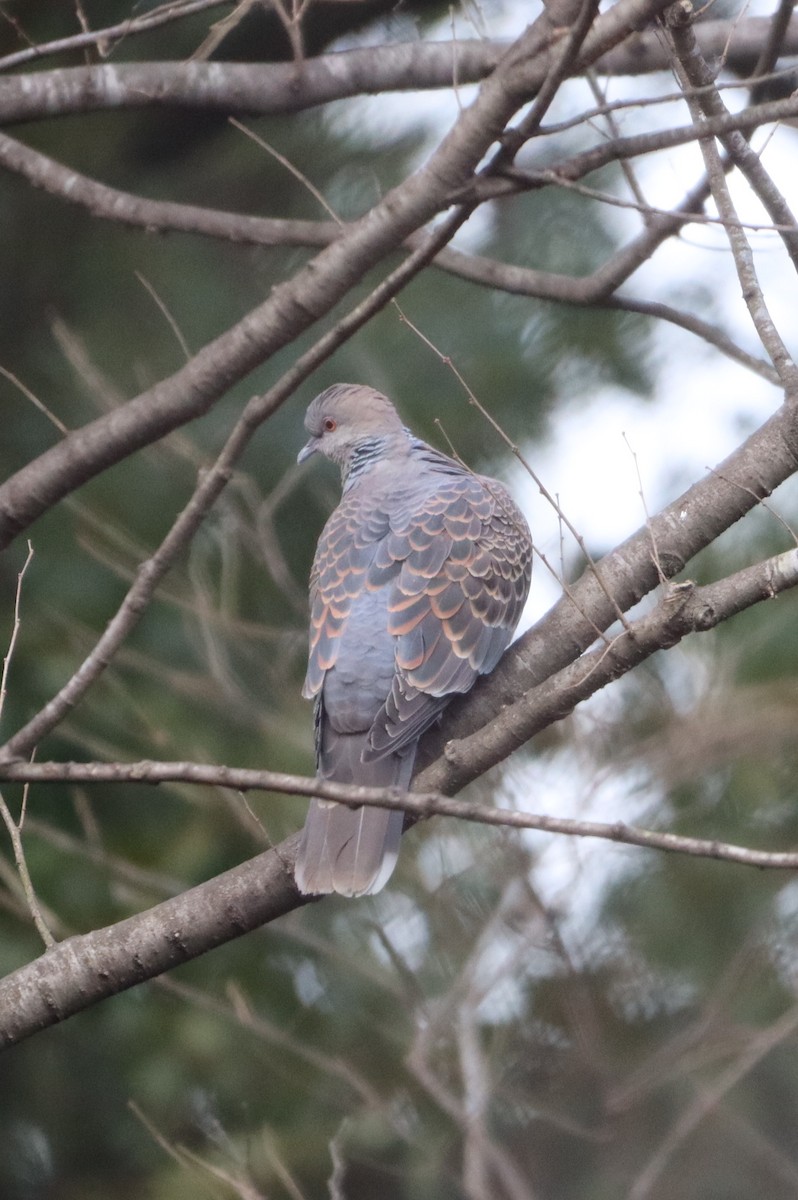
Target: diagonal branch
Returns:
[629, 572]
[84, 970]
[684, 609]
[706, 101]
[298, 303]
[163, 15]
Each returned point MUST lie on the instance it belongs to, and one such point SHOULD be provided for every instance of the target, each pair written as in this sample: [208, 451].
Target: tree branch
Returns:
[548, 672]
[296, 304]
[88, 968]
[706, 106]
[420, 805]
[629, 572]
[159, 215]
[163, 215]
[84, 970]
[164, 15]
[684, 609]
[277, 88]
[291, 308]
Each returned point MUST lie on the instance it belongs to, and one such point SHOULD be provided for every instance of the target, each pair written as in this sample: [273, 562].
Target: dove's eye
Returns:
[329, 425]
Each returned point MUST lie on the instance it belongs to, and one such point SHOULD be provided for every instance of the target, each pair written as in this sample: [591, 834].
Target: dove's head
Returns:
[352, 425]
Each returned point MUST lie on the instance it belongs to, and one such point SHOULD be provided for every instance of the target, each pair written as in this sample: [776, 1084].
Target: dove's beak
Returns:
[310, 447]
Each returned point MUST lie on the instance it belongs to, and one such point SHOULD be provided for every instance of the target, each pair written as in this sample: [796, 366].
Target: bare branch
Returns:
[691, 522]
[420, 805]
[291, 308]
[269, 89]
[554, 667]
[684, 609]
[774, 42]
[14, 630]
[166, 13]
[708, 105]
[85, 969]
[112, 204]
[760, 1044]
[584, 163]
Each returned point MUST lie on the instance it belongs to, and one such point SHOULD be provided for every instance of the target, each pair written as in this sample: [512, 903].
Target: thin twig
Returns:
[13, 827]
[419, 804]
[709, 1097]
[14, 629]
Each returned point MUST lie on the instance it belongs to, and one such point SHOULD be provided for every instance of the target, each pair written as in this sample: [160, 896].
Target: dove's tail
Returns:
[353, 851]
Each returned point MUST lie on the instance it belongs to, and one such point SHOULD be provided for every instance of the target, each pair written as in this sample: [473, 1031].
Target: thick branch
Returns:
[659, 549]
[84, 970]
[269, 89]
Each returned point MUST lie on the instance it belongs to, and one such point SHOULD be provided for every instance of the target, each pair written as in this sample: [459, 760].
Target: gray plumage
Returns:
[418, 582]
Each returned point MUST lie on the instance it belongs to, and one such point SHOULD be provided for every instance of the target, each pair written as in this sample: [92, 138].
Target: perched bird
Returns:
[417, 585]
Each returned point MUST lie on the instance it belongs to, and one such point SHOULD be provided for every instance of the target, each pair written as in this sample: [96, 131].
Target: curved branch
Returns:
[126, 208]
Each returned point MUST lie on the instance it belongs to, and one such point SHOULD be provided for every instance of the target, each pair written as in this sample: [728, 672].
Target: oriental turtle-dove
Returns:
[417, 585]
